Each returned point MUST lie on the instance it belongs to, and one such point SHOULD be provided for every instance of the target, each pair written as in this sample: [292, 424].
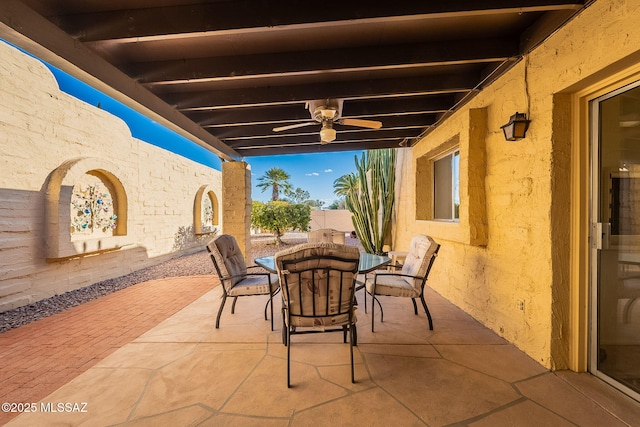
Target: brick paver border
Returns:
[38, 358]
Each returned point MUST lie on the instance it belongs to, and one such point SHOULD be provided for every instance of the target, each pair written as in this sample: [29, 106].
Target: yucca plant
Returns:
[369, 196]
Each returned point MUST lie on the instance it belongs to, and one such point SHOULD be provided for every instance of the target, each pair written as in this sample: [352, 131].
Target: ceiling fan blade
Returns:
[371, 124]
[295, 126]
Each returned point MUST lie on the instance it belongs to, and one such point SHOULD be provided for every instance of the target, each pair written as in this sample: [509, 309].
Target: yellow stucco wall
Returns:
[521, 199]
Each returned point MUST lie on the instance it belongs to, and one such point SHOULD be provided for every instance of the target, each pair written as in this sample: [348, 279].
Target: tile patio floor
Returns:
[181, 371]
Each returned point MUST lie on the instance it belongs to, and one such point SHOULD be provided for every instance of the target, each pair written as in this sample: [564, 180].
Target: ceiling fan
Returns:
[328, 112]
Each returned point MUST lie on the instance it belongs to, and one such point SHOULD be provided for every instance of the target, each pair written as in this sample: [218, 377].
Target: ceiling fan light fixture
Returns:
[327, 134]
[328, 113]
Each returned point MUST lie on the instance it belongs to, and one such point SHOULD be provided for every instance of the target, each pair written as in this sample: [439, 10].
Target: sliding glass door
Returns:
[615, 239]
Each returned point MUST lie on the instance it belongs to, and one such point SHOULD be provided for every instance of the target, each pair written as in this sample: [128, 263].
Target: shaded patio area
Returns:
[183, 371]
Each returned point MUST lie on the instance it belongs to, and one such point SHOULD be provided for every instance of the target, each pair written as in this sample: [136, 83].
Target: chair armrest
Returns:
[375, 278]
[245, 275]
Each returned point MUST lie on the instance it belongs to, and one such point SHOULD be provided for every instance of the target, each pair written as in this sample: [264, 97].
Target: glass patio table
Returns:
[368, 262]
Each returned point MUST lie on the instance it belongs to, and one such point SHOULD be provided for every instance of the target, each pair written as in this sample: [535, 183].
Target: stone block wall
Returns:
[48, 139]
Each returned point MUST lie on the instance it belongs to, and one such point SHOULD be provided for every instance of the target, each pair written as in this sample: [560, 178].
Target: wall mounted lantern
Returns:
[516, 128]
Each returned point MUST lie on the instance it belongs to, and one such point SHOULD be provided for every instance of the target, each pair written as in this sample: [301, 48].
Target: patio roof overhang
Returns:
[225, 73]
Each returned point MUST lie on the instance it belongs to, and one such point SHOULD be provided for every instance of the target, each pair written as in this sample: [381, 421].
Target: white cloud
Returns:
[328, 170]
[312, 174]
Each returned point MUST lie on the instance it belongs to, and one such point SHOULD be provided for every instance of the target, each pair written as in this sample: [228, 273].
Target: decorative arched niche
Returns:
[206, 211]
[90, 175]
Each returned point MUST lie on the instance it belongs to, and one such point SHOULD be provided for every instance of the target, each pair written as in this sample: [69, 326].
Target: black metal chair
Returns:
[410, 281]
[318, 283]
[235, 278]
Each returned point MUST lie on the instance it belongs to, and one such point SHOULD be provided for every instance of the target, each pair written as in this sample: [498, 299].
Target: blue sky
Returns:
[314, 173]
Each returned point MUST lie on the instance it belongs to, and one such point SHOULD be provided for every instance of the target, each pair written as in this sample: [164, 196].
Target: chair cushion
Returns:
[415, 264]
[254, 285]
[337, 302]
[229, 259]
[392, 285]
[320, 322]
[310, 250]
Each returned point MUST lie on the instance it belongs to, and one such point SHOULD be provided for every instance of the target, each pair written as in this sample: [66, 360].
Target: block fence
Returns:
[48, 140]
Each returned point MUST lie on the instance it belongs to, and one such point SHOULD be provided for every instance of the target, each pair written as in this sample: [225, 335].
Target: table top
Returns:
[368, 262]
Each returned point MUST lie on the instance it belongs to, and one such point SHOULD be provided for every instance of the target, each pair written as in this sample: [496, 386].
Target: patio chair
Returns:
[318, 282]
[628, 287]
[326, 235]
[410, 281]
[235, 278]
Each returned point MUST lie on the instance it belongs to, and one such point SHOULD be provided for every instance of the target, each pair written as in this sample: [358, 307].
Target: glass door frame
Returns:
[596, 231]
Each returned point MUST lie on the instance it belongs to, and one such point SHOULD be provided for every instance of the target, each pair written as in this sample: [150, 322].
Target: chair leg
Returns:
[271, 303]
[352, 333]
[224, 299]
[365, 300]
[415, 306]
[426, 310]
[373, 306]
[355, 335]
[233, 306]
[381, 310]
[284, 332]
[374, 300]
[288, 358]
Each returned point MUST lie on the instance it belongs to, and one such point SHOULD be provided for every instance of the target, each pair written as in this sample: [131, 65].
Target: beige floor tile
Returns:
[110, 395]
[524, 414]
[500, 361]
[146, 355]
[228, 420]
[466, 336]
[560, 397]
[439, 391]
[192, 416]
[412, 350]
[208, 376]
[371, 408]
[609, 398]
[265, 393]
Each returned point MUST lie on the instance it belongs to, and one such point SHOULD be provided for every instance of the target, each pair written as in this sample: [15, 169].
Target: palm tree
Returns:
[276, 179]
[346, 186]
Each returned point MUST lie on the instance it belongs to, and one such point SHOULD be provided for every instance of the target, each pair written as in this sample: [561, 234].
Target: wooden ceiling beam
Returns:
[316, 147]
[244, 14]
[311, 137]
[188, 71]
[235, 98]
[288, 114]
[261, 130]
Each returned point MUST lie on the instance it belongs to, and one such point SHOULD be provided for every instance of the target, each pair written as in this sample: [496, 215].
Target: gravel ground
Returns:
[189, 265]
